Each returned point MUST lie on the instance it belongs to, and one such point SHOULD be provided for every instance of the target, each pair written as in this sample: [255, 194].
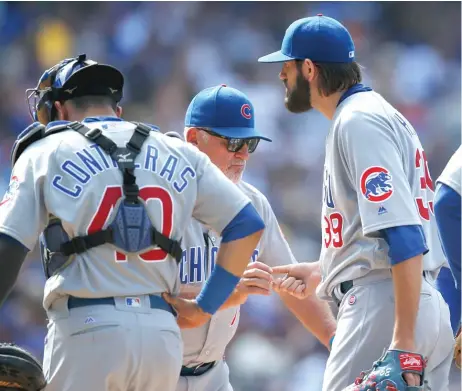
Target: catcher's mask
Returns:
[72, 78]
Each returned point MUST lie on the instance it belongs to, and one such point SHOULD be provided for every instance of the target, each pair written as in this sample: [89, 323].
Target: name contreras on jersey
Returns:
[92, 161]
[194, 266]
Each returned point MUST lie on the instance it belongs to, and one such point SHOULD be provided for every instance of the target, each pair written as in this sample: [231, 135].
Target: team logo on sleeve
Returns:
[376, 184]
[12, 190]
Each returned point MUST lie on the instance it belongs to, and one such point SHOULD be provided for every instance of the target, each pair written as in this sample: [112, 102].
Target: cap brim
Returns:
[275, 57]
[239, 133]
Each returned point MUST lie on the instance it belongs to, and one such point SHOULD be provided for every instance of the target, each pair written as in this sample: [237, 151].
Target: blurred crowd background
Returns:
[169, 51]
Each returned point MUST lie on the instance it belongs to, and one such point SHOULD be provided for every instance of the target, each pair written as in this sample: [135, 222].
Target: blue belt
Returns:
[156, 302]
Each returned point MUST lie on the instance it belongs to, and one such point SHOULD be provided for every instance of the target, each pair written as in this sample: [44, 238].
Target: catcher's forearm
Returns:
[314, 314]
[407, 283]
[12, 255]
[230, 255]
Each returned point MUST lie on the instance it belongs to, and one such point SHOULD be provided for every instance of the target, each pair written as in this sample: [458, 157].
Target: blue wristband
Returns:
[219, 286]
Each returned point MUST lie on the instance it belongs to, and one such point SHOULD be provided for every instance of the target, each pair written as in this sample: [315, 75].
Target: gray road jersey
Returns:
[69, 177]
[208, 343]
[452, 173]
[375, 177]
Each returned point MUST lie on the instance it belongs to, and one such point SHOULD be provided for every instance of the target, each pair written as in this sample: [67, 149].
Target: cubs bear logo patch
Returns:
[376, 184]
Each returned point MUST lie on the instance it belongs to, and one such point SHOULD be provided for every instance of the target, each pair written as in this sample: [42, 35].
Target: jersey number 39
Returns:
[333, 226]
[112, 194]
[426, 183]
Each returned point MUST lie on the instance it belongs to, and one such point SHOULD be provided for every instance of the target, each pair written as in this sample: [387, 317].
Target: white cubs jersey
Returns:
[68, 176]
[375, 177]
[208, 342]
[452, 173]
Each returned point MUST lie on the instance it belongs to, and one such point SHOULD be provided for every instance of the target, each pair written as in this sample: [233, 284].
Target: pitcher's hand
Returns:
[299, 280]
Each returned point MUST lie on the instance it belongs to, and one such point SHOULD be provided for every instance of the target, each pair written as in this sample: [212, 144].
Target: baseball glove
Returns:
[19, 370]
[387, 373]
[457, 350]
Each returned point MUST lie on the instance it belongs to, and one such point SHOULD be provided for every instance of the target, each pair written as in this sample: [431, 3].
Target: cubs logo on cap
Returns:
[246, 111]
[224, 110]
[376, 184]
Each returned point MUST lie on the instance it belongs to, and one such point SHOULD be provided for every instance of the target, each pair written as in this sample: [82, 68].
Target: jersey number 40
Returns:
[111, 196]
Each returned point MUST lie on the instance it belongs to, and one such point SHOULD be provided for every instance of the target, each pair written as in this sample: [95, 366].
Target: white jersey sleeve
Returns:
[273, 248]
[452, 173]
[376, 169]
[218, 198]
[23, 214]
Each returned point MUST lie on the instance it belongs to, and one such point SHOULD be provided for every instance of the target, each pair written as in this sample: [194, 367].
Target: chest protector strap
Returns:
[131, 229]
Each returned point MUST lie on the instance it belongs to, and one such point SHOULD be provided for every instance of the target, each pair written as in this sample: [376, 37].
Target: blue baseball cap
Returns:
[224, 110]
[319, 38]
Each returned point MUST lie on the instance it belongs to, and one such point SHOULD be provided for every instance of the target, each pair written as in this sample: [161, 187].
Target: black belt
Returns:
[197, 371]
[347, 285]
[344, 288]
[156, 302]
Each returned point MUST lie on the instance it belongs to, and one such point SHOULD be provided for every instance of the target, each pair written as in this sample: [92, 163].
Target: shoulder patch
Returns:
[376, 184]
[11, 191]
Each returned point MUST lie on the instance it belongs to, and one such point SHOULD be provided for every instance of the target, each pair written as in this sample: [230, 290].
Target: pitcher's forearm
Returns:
[314, 314]
[407, 283]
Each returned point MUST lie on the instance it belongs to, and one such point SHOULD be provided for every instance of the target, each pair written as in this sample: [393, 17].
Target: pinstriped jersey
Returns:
[375, 176]
[69, 177]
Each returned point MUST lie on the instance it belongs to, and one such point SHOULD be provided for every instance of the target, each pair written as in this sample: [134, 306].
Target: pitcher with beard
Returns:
[379, 256]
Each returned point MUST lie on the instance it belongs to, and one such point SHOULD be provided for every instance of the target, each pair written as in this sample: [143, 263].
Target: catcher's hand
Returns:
[188, 309]
[457, 350]
[19, 370]
[387, 374]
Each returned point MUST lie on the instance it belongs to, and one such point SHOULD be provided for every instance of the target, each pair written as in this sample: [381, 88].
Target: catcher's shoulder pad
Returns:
[30, 135]
[19, 369]
[37, 131]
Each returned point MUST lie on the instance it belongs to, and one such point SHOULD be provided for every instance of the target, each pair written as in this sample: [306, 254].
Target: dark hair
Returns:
[89, 101]
[334, 77]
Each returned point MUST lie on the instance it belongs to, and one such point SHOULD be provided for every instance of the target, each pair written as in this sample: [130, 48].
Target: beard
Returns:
[235, 172]
[298, 100]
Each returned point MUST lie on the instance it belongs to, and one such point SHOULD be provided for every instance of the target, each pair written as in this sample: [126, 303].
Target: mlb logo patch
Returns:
[134, 302]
